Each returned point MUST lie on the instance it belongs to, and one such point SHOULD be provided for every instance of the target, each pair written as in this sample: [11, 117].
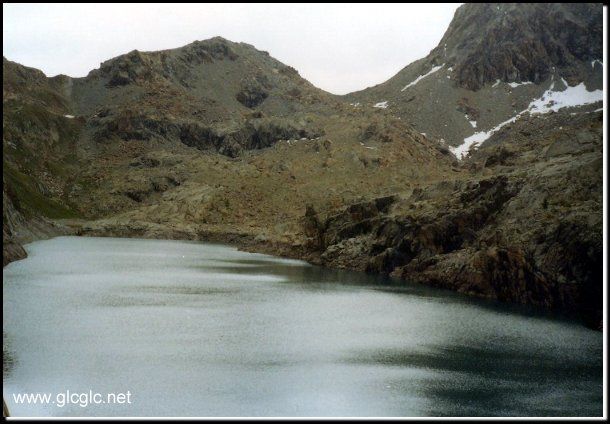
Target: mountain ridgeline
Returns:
[477, 168]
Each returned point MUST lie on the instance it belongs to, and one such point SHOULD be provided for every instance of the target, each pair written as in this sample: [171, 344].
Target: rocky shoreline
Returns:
[447, 252]
[364, 237]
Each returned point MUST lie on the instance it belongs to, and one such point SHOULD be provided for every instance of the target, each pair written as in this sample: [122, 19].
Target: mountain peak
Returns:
[519, 42]
[494, 63]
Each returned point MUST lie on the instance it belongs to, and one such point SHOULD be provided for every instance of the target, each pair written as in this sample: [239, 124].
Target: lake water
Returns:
[194, 329]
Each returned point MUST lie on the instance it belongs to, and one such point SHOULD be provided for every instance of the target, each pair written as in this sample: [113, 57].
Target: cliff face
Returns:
[520, 42]
[11, 249]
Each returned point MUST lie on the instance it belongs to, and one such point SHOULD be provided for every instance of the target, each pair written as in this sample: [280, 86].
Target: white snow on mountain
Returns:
[570, 97]
[550, 101]
[421, 77]
[517, 84]
[476, 139]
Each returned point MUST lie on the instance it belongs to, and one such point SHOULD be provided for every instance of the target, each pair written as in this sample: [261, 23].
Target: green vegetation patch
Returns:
[27, 198]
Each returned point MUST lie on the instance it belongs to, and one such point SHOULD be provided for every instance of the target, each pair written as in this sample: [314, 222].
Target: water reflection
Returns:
[8, 357]
[493, 380]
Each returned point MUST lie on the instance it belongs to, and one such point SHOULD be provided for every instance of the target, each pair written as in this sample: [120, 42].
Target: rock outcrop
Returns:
[12, 250]
[230, 139]
[520, 42]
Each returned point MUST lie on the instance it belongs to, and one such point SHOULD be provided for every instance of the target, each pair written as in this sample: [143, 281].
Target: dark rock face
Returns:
[16, 229]
[464, 106]
[575, 254]
[130, 68]
[255, 133]
[357, 219]
[138, 68]
[215, 48]
[520, 42]
[378, 132]
[152, 185]
[19, 78]
[394, 241]
[11, 249]
[251, 95]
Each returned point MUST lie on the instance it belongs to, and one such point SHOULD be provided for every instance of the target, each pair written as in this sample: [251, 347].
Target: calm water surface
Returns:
[192, 329]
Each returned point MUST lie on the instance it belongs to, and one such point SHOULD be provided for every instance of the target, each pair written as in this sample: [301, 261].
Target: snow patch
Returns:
[587, 111]
[367, 147]
[593, 62]
[421, 77]
[69, 116]
[381, 105]
[477, 138]
[517, 84]
[496, 84]
[473, 123]
[550, 101]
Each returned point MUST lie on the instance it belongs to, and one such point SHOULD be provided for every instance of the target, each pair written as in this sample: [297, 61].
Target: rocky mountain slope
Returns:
[213, 137]
[219, 141]
[38, 158]
[495, 63]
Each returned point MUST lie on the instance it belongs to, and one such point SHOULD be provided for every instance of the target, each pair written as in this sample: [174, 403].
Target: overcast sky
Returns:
[338, 47]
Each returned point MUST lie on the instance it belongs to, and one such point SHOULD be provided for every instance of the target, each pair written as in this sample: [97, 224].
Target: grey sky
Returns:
[338, 47]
